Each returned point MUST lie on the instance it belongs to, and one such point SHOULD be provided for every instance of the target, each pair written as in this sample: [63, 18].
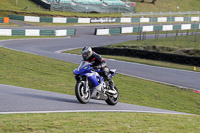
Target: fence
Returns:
[1, 20]
[36, 32]
[92, 8]
[162, 13]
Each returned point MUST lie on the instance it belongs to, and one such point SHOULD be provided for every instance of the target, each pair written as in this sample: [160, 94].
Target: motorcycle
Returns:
[92, 85]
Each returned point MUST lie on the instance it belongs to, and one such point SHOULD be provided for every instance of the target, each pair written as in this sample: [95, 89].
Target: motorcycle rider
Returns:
[98, 63]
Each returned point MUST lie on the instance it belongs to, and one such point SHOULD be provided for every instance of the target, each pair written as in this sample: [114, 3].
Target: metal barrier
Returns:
[104, 20]
[161, 13]
[36, 32]
[150, 28]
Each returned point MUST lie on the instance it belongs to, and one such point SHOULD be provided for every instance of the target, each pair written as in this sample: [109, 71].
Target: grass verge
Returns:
[32, 71]
[26, 37]
[183, 45]
[142, 61]
[43, 13]
[8, 25]
[104, 122]
[167, 5]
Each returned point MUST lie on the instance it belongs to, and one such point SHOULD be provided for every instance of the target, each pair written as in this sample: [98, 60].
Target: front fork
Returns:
[86, 88]
[85, 82]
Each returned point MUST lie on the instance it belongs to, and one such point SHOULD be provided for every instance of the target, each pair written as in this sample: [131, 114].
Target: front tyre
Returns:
[113, 100]
[81, 95]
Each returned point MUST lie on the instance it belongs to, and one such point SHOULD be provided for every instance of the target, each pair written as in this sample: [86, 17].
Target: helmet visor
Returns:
[85, 54]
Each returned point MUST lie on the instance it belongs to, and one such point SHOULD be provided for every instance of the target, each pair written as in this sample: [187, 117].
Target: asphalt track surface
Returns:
[23, 100]
[47, 101]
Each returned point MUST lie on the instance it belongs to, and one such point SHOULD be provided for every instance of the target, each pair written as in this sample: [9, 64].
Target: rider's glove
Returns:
[96, 67]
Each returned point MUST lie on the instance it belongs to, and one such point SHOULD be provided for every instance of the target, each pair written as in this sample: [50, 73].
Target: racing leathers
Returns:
[99, 63]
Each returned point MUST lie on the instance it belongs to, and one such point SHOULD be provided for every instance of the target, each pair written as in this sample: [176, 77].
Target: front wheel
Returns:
[81, 95]
[113, 100]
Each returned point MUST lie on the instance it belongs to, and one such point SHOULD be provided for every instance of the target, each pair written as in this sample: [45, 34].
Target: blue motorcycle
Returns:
[90, 84]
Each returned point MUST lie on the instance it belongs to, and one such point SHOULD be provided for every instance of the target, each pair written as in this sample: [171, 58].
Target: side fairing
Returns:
[94, 78]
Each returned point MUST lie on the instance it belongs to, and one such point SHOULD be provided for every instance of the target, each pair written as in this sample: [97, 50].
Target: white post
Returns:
[189, 17]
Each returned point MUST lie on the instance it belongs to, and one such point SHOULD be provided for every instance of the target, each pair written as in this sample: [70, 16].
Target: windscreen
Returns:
[83, 64]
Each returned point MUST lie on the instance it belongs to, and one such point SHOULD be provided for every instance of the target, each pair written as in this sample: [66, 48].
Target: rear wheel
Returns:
[113, 100]
[81, 95]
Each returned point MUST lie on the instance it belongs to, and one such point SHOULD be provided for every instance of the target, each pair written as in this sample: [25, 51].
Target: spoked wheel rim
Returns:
[113, 100]
[83, 95]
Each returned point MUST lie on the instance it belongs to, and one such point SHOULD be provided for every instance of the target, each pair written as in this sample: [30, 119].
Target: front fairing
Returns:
[83, 68]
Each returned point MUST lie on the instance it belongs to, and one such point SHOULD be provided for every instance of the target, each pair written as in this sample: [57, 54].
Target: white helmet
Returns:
[86, 53]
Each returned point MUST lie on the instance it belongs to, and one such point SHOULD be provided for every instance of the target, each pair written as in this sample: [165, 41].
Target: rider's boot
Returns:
[111, 84]
[108, 78]
[111, 89]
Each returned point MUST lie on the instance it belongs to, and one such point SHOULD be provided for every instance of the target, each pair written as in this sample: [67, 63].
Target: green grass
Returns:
[184, 45]
[8, 25]
[167, 5]
[99, 123]
[32, 71]
[25, 37]
[181, 42]
[153, 62]
[4, 13]
[22, 4]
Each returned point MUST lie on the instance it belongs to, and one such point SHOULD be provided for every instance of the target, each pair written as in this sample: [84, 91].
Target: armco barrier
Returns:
[149, 28]
[50, 19]
[115, 31]
[1, 20]
[36, 32]
[104, 20]
[189, 60]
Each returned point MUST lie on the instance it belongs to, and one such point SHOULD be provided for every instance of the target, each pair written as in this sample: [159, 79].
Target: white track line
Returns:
[78, 111]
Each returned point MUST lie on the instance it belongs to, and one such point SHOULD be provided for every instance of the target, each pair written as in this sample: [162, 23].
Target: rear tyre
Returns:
[113, 100]
[81, 95]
